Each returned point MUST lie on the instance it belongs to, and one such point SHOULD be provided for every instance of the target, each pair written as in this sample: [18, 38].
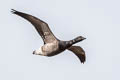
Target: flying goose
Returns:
[52, 46]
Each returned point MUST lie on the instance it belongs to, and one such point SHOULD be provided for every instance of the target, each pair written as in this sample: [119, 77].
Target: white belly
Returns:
[50, 48]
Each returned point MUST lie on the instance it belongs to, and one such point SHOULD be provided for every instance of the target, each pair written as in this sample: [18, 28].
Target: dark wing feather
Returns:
[41, 27]
[79, 52]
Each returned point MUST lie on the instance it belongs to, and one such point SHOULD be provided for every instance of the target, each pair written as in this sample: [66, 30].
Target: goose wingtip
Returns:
[13, 11]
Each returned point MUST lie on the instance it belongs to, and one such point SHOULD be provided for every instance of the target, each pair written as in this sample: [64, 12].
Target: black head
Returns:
[80, 38]
[76, 40]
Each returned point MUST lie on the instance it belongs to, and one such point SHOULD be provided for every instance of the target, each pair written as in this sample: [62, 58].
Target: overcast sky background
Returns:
[97, 20]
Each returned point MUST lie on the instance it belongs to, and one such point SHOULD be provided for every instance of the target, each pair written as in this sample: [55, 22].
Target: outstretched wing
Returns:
[41, 27]
[79, 52]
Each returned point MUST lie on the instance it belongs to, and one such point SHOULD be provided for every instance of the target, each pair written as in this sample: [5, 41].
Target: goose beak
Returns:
[84, 38]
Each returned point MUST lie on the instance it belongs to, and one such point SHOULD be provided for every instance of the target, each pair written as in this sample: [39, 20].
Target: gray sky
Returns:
[97, 20]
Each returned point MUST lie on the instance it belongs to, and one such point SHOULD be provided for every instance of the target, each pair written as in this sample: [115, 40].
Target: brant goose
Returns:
[52, 46]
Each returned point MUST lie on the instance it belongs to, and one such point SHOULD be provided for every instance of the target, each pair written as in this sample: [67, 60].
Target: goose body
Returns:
[52, 46]
[48, 49]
